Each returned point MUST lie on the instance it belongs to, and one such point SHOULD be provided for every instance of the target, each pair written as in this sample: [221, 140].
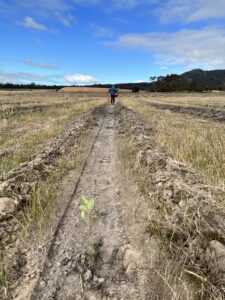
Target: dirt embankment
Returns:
[217, 115]
[183, 213]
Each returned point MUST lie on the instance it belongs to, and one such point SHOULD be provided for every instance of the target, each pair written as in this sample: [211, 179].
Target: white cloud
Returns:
[80, 79]
[193, 48]
[139, 81]
[31, 23]
[40, 65]
[101, 31]
[112, 5]
[49, 5]
[3, 7]
[68, 5]
[190, 11]
[166, 10]
[18, 77]
[130, 4]
[66, 20]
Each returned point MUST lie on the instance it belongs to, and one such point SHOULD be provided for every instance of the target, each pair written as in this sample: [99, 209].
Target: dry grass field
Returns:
[207, 99]
[155, 167]
[194, 139]
[197, 140]
[31, 119]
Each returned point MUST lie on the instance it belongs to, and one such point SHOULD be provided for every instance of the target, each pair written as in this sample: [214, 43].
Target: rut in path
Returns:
[65, 277]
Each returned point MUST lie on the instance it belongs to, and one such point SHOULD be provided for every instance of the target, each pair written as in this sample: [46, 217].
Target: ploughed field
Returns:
[189, 127]
[31, 119]
[154, 165]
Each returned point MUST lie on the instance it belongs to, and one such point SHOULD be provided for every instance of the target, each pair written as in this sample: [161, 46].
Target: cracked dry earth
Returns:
[114, 275]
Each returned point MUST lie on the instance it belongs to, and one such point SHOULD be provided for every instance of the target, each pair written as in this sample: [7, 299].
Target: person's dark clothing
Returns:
[113, 92]
[113, 99]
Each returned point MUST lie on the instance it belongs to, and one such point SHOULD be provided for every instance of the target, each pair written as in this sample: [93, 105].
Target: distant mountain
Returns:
[196, 80]
[214, 79]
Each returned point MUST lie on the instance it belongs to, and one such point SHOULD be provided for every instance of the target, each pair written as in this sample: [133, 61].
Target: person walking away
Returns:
[113, 91]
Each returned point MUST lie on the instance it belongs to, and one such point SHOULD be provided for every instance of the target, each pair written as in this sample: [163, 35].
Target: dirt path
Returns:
[137, 226]
[66, 275]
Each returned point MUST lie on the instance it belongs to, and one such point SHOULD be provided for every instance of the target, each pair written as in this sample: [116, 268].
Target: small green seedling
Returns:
[87, 215]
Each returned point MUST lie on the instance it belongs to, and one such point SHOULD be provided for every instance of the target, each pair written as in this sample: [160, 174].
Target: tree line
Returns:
[29, 86]
[178, 83]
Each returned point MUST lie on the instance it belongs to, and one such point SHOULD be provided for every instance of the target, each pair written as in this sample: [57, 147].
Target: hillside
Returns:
[196, 79]
[211, 79]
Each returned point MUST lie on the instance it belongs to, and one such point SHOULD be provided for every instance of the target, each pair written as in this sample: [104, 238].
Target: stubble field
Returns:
[189, 127]
[155, 166]
[31, 119]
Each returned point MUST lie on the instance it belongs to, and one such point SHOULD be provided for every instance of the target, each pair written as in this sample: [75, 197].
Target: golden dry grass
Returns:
[23, 135]
[15, 99]
[179, 281]
[185, 99]
[37, 216]
[198, 143]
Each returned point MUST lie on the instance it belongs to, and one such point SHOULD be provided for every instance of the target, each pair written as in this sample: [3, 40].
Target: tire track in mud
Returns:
[66, 274]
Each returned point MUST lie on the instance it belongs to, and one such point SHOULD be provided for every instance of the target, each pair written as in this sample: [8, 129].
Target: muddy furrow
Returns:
[66, 274]
[216, 115]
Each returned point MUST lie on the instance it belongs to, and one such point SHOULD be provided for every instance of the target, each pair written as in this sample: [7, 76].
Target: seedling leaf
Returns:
[83, 216]
[85, 200]
[90, 204]
[84, 208]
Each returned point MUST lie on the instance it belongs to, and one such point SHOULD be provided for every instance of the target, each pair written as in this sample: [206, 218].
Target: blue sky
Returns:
[90, 41]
